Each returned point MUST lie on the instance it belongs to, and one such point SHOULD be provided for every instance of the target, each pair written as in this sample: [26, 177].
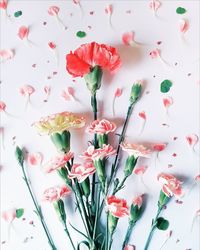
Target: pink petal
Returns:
[127, 38]
[6, 54]
[159, 147]
[9, 215]
[192, 139]
[23, 32]
[154, 4]
[27, 90]
[118, 92]
[109, 9]
[35, 159]
[76, 1]
[47, 90]
[183, 25]
[53, 10]
[70, 91]
[65, 95]
[197, 178]
[167, 102]
[140, 170]
[129, 247]
[3, 4]
[52, 45]
[142, 115]
[2, 106]
[155, 53]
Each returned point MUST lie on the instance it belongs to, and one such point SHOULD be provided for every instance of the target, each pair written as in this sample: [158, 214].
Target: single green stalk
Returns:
[69, 236]
[153, 227]
[128, 234]
[38, 210]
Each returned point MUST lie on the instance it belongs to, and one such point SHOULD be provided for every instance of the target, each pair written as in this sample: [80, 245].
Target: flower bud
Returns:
[93, 79]
[135, 92]
[60, 210]
[19, 156]
[163, 199]
[129, 166]
[136, 209]
[112, 223]
[61, 141]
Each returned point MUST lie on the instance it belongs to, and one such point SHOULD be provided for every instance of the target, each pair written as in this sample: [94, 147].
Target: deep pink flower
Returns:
[170, 185]
[83, 59]
[58, 162]
[101, 127]
[117, 207]
[81, 171]
[93, 154]
[54, 194]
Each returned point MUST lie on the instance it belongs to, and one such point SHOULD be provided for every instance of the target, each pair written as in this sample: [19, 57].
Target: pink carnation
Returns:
[136, 150]
[137, 201]
[81, 171]
[93, 154]
[101, 127]
[54, 194]
[58, 162]
[170, 185]
[117, 207]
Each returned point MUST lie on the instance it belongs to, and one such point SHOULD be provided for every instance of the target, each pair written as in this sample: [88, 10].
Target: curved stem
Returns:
[38, 211]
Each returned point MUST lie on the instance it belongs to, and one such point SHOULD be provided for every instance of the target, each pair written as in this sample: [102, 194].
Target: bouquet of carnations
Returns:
[92, 178]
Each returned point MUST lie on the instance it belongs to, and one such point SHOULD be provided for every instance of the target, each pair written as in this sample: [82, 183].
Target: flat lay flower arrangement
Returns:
[94, 179]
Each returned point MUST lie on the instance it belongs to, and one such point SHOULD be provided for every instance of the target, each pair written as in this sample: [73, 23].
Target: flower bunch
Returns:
[92, 177]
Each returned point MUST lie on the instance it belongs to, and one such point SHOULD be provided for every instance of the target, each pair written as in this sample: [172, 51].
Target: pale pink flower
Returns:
[35, 159]
[101, 127]
[117, 207]
[58, 162]
[92, 154]
[9, 215]
[170, 185]
[81, 171]
[136, 150]
[137, 201]
[56, 193]
[23, 32]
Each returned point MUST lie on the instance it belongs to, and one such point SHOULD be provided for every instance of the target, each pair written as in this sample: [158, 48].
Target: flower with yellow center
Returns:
[57, 123]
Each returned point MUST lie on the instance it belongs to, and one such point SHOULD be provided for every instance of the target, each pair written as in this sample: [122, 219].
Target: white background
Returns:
[183, 118]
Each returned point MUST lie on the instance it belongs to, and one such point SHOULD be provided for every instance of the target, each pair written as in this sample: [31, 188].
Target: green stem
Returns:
[120, 186]
[38, 210]
[128, 234]
[69, 236]
[153, 227]
[97, 213]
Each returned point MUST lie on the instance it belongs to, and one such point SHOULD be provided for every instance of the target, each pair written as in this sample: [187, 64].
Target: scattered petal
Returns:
[23, 32]
[192, 139]
[142, 115]
[140, 170]
[53, 10]
[167, 102]
[154, 4]
[35, 159]
[52, 45]
[183, 26]
[127, 38]
[118, 93]
[6, 54]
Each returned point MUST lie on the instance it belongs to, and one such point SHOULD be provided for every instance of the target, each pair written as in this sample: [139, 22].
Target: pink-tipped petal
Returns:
[53, 10]
[192, 139]
[23, 32]
[183, 25]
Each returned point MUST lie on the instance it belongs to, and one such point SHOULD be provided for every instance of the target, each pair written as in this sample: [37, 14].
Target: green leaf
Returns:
[180, 10]
[81, 34]
[18, 13]
[162, 224]
[19, 156]
[19, 212]
[165, 86]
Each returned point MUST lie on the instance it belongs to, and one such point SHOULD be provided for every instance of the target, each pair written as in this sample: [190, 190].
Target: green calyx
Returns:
[86, 187]
[60, 210]
[19, 156]
[163, 199]
[135, 213]
[61, 141]
[129, 166]
[136, 91]
[93, 79]
[102, 139]
[112, 223]
[100, 168]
